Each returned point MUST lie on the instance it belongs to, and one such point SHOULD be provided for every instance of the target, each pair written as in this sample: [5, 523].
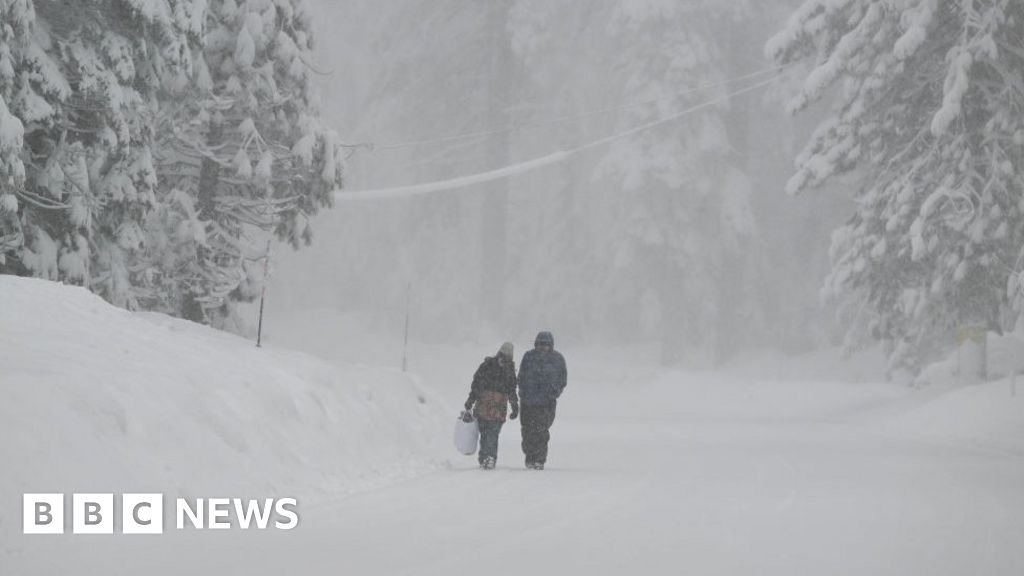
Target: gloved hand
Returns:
[514, 414]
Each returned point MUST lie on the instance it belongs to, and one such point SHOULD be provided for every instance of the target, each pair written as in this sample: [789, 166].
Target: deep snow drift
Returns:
[98, 399]
[651, 471]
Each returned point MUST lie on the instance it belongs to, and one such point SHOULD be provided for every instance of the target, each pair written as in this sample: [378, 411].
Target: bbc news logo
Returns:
[144, 513]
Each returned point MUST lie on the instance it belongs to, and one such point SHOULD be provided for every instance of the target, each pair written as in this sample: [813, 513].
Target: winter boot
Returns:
[487, 463]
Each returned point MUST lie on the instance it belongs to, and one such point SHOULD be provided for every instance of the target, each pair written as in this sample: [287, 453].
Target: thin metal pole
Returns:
[263, 293]
[405, 345]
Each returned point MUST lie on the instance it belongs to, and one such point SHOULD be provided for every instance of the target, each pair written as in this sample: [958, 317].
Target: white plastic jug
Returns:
[467, 433]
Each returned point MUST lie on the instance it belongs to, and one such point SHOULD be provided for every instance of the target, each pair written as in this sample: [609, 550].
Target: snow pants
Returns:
[489, 432]
[536, 421]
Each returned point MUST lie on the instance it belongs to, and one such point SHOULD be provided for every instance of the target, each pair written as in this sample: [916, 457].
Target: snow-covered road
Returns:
[704, 476]
[682, 474]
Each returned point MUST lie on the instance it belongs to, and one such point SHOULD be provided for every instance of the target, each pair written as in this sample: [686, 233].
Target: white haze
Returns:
[582, 256]
[713, 420]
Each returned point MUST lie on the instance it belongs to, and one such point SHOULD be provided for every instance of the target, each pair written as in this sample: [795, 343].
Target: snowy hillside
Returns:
[99, 399]
[652, 470]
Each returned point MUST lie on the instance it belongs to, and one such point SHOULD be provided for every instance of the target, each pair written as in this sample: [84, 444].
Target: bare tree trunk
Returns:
[209, 175]
[973, 353]
[732, 278]
[494, 208]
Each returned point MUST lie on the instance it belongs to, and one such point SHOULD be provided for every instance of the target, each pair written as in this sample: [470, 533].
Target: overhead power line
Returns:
[533, 164]
[571, 117]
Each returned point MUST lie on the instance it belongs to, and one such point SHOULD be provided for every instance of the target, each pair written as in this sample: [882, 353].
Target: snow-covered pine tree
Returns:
[16, 23]
[683, 205]
[77, 85]
[445, 73]
[243, 154]
[929, 115]
[558, 226]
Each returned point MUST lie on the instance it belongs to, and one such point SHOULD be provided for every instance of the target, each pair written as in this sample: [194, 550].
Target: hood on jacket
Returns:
[544, 339]
[506, 350]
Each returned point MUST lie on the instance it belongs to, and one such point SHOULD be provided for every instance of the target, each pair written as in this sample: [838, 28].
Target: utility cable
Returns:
[533, 164]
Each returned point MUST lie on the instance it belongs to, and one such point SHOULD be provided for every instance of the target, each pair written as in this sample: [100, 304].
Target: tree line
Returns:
[150, 148]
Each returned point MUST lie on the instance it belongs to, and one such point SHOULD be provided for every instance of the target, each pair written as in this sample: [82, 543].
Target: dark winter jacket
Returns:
[542, 374]
[494, 387]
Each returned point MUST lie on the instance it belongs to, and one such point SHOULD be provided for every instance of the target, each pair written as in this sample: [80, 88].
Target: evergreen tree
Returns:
[665, 217]
[928, 115]
[447, 72]
[78, 83]
[148, 148]
[581, 236]
[243, 154]
[16, 22]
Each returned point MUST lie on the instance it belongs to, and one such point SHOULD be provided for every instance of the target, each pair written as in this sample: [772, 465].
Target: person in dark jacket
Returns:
[494, 388]
[542, 378]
